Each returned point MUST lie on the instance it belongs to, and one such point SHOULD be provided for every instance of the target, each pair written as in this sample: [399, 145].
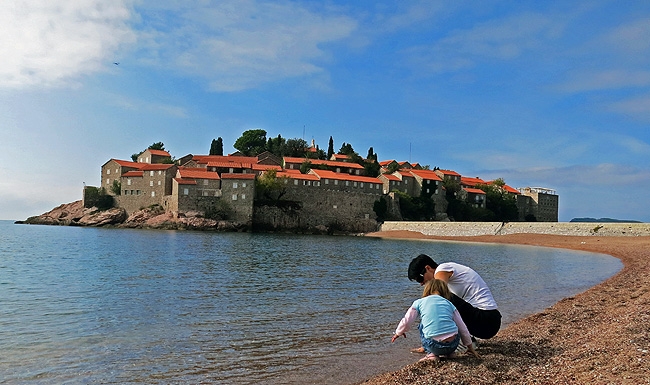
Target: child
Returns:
[441, 327]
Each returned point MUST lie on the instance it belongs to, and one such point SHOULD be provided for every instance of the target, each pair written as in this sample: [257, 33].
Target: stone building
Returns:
[538, 203]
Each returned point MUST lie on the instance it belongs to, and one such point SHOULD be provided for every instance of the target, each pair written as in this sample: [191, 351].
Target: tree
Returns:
[305, 166]
[330, 149]
[270, 186]
[252, 142]
[296, 148]
[116, 188]
[380, 207]
[216, 148]
[157, 146]
[371, 154]
[277, 146]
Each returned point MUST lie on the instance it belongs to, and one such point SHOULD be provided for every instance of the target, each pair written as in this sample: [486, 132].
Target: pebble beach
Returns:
[600, 336]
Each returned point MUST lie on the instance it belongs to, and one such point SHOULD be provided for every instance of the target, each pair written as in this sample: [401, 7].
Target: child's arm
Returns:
[405, 324]
[464, 333]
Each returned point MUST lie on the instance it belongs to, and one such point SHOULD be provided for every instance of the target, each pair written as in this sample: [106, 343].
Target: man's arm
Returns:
[443, 275]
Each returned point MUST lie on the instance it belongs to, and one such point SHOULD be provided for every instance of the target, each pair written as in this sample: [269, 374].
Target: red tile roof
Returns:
[159, 152]
[262, 167]
[237, 176]
[426, 174]
[224, 158]
[126, 163]
[341, 176]
[185, 181]
[471, 181]
[331, 163]
[298, 175]
[449, 172]
[474, 190]
[391, 177]
[230, 165]
[197, 173]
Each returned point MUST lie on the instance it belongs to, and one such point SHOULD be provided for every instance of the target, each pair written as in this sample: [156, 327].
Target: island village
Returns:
[272, 193]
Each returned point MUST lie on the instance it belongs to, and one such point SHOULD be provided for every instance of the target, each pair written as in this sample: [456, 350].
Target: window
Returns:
[151, 173]
[151, 183]
[327, 181]
[159, 182]
[205, 182]
[231, 170]
[243, 196]
[347, 182]
[234, 197]
[427, 191]
[334, 206]
[108, 181]
[153, 193]
[234, 185]
[108, 172]
[117, 170]
[159, 172]
[336, 182]
[243, 184]
[186, 191]
[361, 184]
[205, 193]
[137, 192]
[295, 182]
[128, 182]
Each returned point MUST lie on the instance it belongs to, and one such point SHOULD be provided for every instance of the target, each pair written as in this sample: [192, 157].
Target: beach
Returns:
[600, 336]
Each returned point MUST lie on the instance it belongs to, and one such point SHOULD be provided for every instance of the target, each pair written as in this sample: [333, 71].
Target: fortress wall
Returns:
[497, 228]
[321, 208]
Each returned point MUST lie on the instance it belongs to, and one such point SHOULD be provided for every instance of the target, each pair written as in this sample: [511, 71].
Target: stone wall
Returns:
[497, 228]
[319, 210]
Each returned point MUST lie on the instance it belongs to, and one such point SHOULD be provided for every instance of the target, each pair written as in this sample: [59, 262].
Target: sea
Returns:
[124, 306]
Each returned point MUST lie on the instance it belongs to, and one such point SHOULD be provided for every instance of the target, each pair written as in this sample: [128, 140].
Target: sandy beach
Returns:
[601, 336]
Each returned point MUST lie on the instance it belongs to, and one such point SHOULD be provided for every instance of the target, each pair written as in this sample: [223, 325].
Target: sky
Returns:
[552, 94]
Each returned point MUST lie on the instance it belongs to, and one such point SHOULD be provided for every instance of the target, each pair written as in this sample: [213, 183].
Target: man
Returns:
[470, 294]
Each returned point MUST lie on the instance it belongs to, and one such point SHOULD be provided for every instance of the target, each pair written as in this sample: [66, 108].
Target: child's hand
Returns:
[396, 337]
[470, 349]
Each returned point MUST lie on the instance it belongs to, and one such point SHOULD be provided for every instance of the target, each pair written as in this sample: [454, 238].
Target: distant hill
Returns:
[604, 220]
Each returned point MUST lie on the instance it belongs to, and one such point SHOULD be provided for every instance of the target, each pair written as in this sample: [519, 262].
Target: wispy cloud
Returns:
[235, 45]
[498, 40]
[49, 43]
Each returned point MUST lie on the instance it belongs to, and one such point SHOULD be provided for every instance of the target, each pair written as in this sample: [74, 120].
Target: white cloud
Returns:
[606, 80]
[631, 38]
[636, 107]
[503, 39]
[48, 43]
[236, 45]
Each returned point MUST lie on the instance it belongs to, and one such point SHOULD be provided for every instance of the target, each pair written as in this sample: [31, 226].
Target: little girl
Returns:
[441, 327]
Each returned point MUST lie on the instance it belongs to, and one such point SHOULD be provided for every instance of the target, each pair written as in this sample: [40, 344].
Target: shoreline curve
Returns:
[600, 336]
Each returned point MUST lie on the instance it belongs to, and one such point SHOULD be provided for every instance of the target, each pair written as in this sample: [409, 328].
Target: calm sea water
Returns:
[91, 305]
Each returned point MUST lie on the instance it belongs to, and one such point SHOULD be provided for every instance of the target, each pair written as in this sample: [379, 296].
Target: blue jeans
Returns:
[438, 348]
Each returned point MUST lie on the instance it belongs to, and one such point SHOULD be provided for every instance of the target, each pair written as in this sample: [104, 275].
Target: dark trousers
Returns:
[480, 323]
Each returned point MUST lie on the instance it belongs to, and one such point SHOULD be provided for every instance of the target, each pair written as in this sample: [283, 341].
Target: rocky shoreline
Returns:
[74, 214]
[601, 336]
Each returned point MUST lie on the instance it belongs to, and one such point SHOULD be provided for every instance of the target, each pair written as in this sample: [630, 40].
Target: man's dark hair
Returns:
[416, 267]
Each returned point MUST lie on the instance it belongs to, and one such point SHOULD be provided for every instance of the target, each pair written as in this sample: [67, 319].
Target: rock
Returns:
[98, 218]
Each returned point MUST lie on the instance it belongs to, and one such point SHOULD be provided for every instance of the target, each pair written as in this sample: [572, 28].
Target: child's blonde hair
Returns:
[436, 286]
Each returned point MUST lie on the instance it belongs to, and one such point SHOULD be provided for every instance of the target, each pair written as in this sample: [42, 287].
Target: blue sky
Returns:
[551, 94]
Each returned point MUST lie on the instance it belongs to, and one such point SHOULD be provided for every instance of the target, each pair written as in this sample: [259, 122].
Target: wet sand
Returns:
[601, 336]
